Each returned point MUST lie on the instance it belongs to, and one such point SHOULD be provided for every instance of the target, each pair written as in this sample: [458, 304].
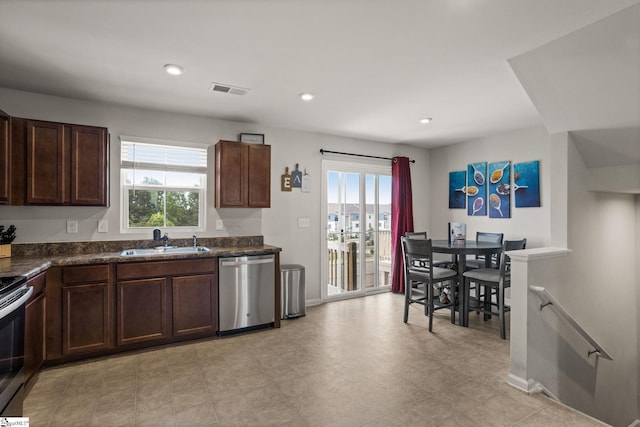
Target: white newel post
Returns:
[521, 278]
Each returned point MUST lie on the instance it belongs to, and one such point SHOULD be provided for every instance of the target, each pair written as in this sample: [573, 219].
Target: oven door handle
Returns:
[5, 311]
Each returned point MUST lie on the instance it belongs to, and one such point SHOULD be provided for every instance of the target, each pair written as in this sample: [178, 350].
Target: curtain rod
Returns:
[322, 151]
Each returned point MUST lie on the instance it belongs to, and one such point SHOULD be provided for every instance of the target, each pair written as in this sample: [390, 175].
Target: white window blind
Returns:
[164, 157]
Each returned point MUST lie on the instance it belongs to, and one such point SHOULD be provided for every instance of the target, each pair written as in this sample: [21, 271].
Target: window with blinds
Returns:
[163, 184]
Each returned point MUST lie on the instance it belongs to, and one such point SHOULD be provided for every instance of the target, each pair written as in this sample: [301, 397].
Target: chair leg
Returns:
[466, 295]
[407, 297]
[454, 299]
[487, 302]
[503, 332]
[429, 304]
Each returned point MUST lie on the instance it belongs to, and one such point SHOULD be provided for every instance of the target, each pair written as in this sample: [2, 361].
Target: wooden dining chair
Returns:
[493, 281]
[478, 261]
[421, 277]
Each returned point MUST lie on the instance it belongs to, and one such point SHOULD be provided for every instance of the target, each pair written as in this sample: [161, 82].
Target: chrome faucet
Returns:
[165, 239]
[195, 241]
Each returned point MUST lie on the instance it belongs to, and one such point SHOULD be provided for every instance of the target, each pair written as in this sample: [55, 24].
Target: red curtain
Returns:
[401, 217]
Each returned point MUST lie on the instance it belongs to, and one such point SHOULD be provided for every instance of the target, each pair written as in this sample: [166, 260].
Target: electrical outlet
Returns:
[103, 226]
[72, 226]
[219, 224]
[304, 222]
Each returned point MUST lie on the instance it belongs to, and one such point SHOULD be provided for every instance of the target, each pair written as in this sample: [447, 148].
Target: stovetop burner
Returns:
[9, 283]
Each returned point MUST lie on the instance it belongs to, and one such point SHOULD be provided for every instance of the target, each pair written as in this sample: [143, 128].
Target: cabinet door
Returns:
[4, 158]
[89, 166]
[259, 173]
[231, 174]
[86, 318]
[195, 304]
[142, 310]
[34, 341]
[47, 161]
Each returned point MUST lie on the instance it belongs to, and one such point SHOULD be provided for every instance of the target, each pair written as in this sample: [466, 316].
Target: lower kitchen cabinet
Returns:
[34, 337]
[164, 301]
[105, 308]
[79, 311]
[142, 310]
[86, 318]
[195, 304]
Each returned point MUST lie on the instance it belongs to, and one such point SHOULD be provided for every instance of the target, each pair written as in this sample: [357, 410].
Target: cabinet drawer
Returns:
[38, 284]
[85, 274]
[166, 268]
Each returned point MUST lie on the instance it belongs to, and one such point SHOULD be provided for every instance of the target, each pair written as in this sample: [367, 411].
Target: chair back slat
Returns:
[418, 253]
[416, 235]
[482, 236]
[505, 260]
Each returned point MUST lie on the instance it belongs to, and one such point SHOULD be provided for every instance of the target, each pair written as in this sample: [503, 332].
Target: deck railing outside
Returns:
[343, 263]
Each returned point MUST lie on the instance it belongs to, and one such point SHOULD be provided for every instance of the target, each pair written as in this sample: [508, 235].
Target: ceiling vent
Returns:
[234, 90]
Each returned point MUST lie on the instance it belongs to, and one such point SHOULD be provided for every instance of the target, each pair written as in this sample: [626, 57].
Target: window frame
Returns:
[124, 187]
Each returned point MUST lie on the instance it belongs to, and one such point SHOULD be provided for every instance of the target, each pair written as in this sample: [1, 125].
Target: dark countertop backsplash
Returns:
[78, 248]
[30, 259]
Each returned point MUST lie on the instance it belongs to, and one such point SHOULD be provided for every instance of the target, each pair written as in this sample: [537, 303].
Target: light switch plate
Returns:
[219, 224]
[72, 226]
[103, 226]
[304, 222]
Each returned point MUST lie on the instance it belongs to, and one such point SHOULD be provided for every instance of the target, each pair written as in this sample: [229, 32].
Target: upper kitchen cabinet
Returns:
[243, 175]
[4, 157]
[63, 164]
[89, 166]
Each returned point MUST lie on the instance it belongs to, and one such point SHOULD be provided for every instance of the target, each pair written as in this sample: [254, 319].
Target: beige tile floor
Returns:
[347, 363]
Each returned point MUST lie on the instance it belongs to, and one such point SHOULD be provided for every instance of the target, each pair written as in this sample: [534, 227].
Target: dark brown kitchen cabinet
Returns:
[79, 311]
[195, 304]
[34, 337]
[47, 161]
[161, 301]
[87, 298]
[4, 157]
[243, 175]
[99, 309]
[58, 164]
[142, 310]
[89, 166]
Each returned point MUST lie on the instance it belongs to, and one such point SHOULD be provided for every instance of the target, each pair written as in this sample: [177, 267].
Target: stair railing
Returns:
[549, 301]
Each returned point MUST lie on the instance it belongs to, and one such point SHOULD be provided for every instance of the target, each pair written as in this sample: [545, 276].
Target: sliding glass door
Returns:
[357, 245]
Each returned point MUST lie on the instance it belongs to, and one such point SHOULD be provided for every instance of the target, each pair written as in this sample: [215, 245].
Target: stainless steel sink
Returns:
[165, 250]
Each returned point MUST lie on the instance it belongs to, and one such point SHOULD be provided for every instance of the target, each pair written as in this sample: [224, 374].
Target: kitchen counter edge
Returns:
[31, 266]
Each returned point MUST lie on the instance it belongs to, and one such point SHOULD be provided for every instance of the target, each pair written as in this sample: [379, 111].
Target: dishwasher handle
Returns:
[246, 262]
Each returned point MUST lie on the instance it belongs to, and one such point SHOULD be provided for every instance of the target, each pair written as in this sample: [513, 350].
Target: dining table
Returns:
[459, 249]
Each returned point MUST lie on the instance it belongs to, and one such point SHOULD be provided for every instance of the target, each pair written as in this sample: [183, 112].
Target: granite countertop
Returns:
[32, 259]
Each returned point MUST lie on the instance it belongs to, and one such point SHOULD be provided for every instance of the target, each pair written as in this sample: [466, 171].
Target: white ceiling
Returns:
[375, 66]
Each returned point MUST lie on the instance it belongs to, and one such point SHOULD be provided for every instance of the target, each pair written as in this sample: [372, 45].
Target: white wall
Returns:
[637, 197]
[596, 283]
[518, 146]
[278, 224]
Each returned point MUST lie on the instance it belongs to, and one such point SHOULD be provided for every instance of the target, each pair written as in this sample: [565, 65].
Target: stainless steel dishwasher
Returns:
[246, 291]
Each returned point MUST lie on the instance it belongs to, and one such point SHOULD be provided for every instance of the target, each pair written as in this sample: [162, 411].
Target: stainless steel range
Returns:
[14, 294]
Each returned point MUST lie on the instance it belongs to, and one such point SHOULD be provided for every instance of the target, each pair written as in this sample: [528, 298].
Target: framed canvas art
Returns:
[458, 190]
[499, 200]
[526, 184]
[476, 189]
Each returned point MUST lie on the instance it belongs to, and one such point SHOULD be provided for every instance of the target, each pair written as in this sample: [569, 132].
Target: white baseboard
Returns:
[529, 386]
[517, 382]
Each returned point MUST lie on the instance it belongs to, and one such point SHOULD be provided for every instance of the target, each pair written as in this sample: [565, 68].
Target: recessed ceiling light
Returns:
[307, 96]
[173, 69]
[426, 120]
